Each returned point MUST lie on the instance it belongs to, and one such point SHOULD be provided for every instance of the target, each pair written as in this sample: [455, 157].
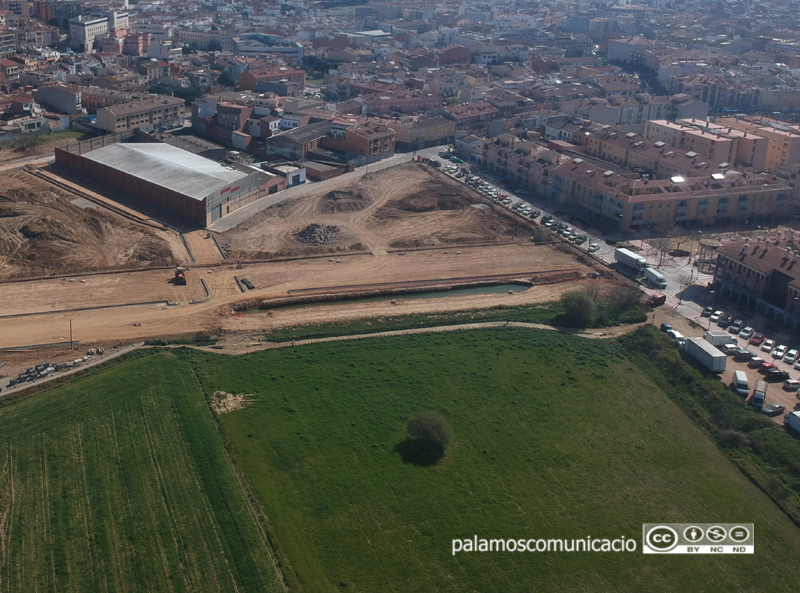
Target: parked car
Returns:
[797, 364]
[756, 362]
[773, 409]
[757, 339]
[775, 375]
[779, 351]
[766, 366]
[676, 335]
[736, 326]
[593, 247]
[742, 355]
[791, 385]
[666, 327]
[729, 349]
[716, 315]
[746, 333]
[725, 321]
[791, 356]
[707, 312]
[768, 346]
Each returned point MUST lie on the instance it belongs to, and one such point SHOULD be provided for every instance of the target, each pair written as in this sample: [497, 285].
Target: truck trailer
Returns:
[630, 259]
[717, 338]
[792, 420]
[655, 277]
[759, 395]
[705, 354]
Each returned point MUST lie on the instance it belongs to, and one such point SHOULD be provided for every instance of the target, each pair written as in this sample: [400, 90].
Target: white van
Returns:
[740, 383]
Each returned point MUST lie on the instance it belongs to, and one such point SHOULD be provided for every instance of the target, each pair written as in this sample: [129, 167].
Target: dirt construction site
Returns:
[409, 225]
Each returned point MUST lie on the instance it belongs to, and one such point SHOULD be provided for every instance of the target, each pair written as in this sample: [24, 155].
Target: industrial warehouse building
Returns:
[174, 180]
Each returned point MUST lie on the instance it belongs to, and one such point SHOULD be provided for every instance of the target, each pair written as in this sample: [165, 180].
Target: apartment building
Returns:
[147, 114]
[415, 132]
[783, 139]
[366, 140]
[521, 161]
[763, 274]
[712, 142]
[654, 158]
[63, 99]
[610, 199]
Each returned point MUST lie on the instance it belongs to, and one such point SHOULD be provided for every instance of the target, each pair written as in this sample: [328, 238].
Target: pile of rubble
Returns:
[316, 234]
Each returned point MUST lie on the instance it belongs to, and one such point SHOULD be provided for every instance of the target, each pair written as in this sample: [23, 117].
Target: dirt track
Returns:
[116, 326]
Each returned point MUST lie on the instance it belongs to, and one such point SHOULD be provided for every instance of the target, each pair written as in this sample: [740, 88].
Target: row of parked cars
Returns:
[770, 347]
[524, 209]
[44, 369]
[772, 351]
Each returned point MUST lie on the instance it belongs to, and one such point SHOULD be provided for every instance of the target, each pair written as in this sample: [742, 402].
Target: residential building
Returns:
[412, 133]
[295, 144]
[762, 274]
[63, 99]
[606, 198]
[783, 139]
[652, 157]
[711, 141]
[250, 79]
[473, 117]
[365, 140]
[148, 114]
[525, 163]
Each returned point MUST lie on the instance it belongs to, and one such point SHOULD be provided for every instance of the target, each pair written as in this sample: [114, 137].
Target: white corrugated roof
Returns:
[168, 166]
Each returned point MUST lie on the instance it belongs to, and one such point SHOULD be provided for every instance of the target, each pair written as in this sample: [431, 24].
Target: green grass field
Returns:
[123, 481]
[555, 436]
[120, 482]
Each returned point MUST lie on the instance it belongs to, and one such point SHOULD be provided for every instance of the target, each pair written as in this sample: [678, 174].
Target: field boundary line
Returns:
[260, 518]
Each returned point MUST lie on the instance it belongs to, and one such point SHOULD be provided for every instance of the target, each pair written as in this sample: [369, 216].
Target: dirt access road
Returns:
[52, 299]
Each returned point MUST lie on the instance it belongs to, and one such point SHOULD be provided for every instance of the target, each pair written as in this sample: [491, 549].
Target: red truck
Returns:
[657, 299]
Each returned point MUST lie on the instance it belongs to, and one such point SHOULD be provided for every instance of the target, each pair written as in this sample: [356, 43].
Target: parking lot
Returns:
[755, 353]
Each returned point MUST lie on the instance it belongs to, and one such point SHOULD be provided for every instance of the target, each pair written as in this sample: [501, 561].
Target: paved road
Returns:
[236, 217]
[94, 361]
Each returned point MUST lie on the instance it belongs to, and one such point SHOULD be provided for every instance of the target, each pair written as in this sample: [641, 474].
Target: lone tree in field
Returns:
[429, 434]
[579, 309]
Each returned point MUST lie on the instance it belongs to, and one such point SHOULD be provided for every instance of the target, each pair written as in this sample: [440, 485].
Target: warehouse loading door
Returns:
[216, 213]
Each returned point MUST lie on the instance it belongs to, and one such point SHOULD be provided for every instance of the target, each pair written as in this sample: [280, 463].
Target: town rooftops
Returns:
[307, 133]
[765, 258]
[144, 105]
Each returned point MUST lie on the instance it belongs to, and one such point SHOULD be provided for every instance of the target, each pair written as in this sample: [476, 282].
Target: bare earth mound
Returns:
[342, 201]
[44, 231]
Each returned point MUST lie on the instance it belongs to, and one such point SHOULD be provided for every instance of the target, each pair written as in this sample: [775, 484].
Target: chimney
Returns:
[766, 246]
[758, 243]
[794, 256]
[745, 248]
[778, 240]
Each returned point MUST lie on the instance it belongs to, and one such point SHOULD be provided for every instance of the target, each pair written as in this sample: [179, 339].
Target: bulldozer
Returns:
[180, 276]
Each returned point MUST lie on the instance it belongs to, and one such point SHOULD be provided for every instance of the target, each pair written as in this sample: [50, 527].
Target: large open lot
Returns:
[412, 205]
[123, 477]
[46, 231]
